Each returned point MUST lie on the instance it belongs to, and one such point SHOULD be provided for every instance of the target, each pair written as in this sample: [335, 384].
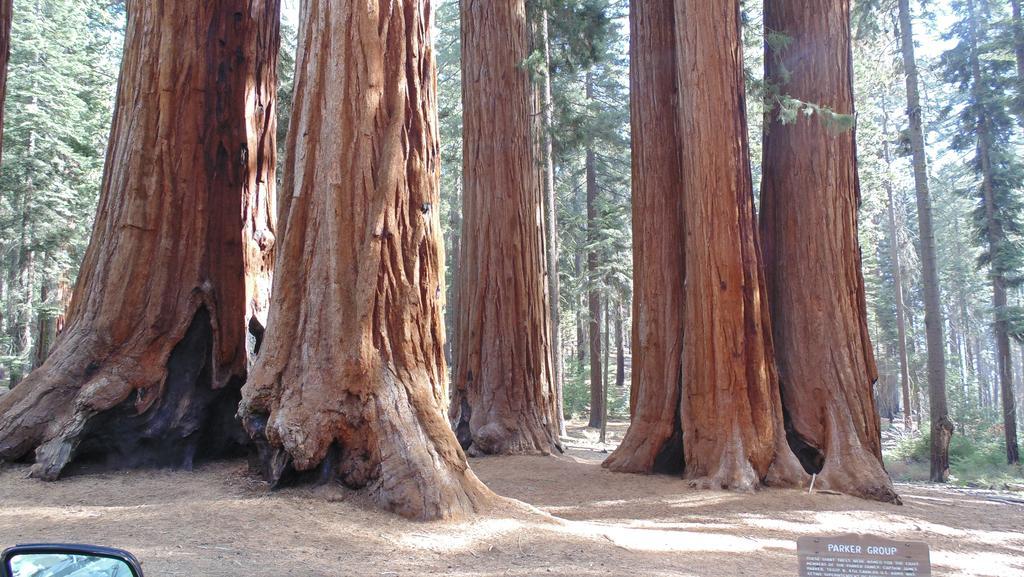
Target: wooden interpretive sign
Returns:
[862, 556]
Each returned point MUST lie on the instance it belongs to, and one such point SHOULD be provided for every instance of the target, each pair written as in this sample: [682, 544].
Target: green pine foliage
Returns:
[599, 123]
[61, 81]
[950, 121]
[986, 102]
[448, 52]
[285, 87]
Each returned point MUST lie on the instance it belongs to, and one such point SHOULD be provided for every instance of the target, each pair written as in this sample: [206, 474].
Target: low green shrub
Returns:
[977, 457]
[576, 392]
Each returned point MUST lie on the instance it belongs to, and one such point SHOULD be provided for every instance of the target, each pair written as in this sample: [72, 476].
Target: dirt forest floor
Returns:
[219, 521]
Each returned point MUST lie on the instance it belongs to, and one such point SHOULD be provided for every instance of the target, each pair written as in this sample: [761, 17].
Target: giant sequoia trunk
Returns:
[504, 399]
[731, 412]
[149, 367]
[6, 8]
[350, 381]
[809, 205]
[941, 424]
[654, 439]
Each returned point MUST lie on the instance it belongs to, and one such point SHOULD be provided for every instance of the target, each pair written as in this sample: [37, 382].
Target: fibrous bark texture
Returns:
[730, 410]
[504, 399]
[654, 439]
[149, 367]
[810, 196]
[350, 379]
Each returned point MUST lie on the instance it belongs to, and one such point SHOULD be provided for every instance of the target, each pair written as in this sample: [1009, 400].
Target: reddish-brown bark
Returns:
[351, 377]
[149, 366]
[731, 412]
[810, 196]
[654, 439]
[503, 399]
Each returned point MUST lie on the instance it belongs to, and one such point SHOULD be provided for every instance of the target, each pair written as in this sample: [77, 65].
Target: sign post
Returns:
[862, 556]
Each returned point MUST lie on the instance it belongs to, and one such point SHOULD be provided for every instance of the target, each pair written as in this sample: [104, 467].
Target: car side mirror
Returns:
[68, 561]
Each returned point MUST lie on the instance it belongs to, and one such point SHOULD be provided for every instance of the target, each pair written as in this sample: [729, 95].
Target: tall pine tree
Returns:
[985, 126]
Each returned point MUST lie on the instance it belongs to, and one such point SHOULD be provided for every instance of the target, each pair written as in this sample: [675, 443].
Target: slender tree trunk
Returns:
[982, 368]
[504, 399]
[578, 268]
[604, 374]
[1005, 367]
[981, 372]
[897, 272]
[942, 426]
[452, 311]
[4, 298]
[888, 394]
[952, 341]
[970, 371]
[6, 10]
[593, 286]
[581, 332]
[995, 393]
[21, 284]
[1020, 383]
[46, 322]
[620, 351]
[596, 365]
[996, 239]
[731, 413]
[809, 201]
[957, 332]
[351, 380]
[545, 125]
[1018, 368]
[149, 368]
[10, 301]
[654, 440]
[26, 298]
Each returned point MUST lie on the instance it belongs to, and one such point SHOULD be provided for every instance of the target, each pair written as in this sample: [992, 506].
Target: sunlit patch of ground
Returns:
[219, 521]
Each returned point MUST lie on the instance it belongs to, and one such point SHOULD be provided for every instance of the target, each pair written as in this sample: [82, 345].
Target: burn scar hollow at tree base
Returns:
[349, 384]
[149, 367]
[654, 441]
[809, 202]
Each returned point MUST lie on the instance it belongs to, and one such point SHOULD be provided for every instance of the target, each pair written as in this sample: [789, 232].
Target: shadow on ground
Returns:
[219, 521]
